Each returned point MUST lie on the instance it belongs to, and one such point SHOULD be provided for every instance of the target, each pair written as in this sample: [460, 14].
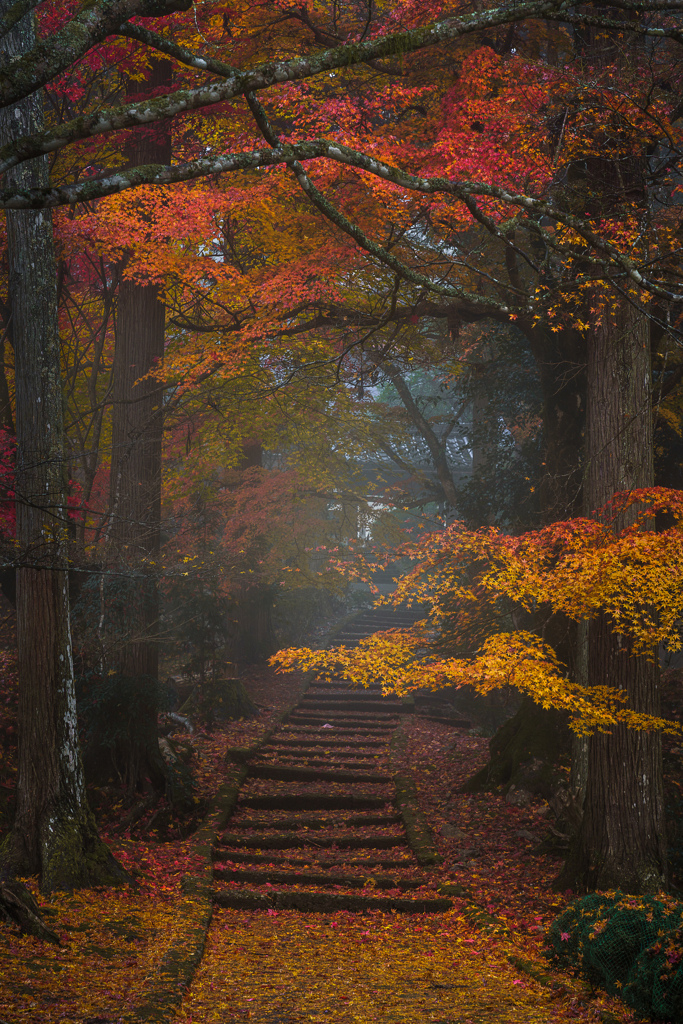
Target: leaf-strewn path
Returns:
[279, 965]
[316, 829]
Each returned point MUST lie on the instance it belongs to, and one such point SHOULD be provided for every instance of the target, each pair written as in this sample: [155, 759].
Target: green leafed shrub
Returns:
[631, 946]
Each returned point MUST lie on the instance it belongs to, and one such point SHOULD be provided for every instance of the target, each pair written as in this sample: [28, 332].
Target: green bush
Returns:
[631, 946]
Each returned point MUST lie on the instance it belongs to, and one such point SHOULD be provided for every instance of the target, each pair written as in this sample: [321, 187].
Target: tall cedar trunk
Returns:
[253, 635]
[136, 480]
[54, 833]
[621, 840]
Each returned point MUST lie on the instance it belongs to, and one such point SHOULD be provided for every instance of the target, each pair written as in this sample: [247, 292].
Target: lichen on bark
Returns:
[54, 834]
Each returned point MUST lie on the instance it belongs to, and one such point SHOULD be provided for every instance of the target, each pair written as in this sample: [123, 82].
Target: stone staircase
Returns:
[315, 827]
[373, 620]
[427, 705]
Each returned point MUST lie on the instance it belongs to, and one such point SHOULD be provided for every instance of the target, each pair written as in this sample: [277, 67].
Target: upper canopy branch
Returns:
[57, 52]
[39, 67]
[109, 17]
[289, 154]
[97, 21]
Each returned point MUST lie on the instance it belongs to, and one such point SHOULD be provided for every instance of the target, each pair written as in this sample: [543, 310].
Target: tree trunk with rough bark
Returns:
[135, 498]
[54, 832]
[621, 842]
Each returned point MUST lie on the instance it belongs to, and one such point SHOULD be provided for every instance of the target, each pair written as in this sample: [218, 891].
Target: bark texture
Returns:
[136, 484]
[621, 842]
[54, 833]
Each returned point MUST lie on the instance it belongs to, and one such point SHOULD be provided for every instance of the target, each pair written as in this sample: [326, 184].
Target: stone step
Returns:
[362, 715]
[331, 742]
[361, 702]
[313, 725]
[314, 752]
[310, 762]
[315, 878]
[360, 820]
[342, 731]
[318, 858]
[327, 903]
[287, 841]
[317, 705]
[379, 723]
[300, 774]
[312, 802]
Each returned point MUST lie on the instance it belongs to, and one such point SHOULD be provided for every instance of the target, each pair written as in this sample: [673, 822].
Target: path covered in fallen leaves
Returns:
[316, 829]
[285, 967]
[319, 802]
[315, 826]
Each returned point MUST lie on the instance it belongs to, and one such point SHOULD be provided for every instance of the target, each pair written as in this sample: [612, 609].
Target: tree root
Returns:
[18, 907]
[138, 811]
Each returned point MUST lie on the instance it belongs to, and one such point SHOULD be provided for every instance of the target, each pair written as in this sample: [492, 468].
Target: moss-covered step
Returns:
[369, 863]
[327, 903]
[285, 773]
[291, 841]
[315, 878]
[287, 824]
[301, 761]
[331, 742]
[313, 802]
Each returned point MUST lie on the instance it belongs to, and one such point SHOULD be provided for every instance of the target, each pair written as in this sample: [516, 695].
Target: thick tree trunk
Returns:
[136, 503]
[136, 482]
[54, 833]
[621, 841]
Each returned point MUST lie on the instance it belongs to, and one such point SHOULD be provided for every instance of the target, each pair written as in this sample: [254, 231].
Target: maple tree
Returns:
[624, 580]
[578, 567]
[553, 238]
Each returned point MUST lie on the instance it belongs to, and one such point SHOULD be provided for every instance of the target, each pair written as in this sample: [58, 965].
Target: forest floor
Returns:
[481, 961]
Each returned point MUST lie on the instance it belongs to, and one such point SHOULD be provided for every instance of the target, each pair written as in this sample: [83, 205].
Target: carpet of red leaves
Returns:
[287, 966]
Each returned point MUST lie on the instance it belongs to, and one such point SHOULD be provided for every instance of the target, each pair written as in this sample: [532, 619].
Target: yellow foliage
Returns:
[583, 568]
